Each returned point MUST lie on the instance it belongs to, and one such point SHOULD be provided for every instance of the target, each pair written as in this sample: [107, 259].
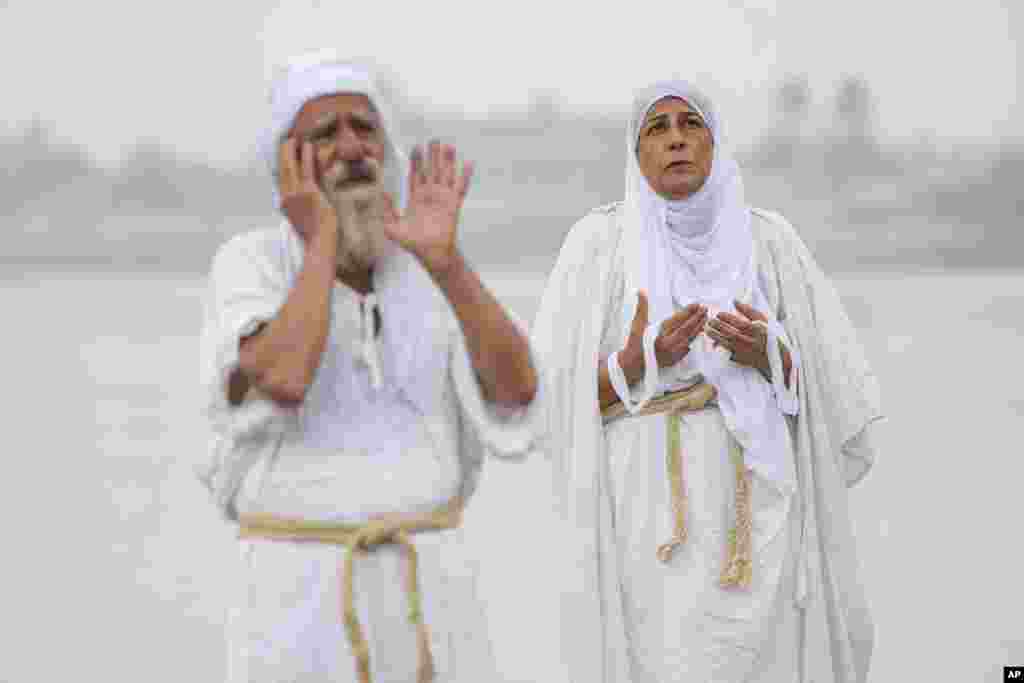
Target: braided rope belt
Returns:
[359, 539]
[738, 567]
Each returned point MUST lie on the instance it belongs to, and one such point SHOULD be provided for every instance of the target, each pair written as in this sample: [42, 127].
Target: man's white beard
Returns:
[361, 237]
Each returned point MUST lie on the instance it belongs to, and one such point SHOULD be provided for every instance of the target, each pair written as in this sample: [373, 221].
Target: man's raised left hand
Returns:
[436, 192]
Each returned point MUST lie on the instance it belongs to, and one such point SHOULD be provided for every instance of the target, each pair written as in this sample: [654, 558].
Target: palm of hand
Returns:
[746, 341]
[428, 227]
[674, 335]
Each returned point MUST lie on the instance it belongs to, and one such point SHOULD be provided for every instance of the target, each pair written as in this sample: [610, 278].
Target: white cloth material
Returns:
[368, 346]
[350, 452]
[650, 384]
[785, 396]
[284, 623]
[579, 322]
[700, 250]
[680, 624]
[365, 435]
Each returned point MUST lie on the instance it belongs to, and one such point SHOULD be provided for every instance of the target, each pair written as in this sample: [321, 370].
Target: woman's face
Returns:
[674, 149]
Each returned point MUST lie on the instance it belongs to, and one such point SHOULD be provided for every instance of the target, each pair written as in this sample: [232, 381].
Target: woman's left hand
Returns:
[747, 342]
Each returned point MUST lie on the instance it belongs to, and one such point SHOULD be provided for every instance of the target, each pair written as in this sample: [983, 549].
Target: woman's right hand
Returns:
[672, 344]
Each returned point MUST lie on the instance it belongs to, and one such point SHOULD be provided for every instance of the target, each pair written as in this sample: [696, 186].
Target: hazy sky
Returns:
[192, 73]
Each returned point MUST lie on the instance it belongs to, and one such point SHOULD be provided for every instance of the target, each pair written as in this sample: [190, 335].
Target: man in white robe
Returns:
[707, 541]
[356, 370]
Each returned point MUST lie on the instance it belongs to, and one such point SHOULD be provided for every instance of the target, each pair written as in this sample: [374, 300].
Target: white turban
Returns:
[315, 74]
[701, 250]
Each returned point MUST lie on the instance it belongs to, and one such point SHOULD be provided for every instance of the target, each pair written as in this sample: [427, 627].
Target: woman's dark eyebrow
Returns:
[656, 118]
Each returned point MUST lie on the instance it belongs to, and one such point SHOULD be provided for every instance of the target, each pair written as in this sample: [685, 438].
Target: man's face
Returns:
[674, 149]
[347, 138]
[349, 146]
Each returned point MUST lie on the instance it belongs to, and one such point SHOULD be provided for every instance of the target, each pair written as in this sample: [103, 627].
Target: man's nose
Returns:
[347, 145]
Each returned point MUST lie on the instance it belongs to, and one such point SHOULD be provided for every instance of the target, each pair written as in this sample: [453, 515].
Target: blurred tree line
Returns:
[833, 176]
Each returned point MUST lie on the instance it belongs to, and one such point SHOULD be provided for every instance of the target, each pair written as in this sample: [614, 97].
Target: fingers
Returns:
[672, 348]
[726, 330]
[678, 332]
[742, 324]
[448, 168]
[692, 326]
[462, 184]
[307, 163]
[682, 317]
[640, 316]
[677, 343]
[390, 216]
[719, 338]
[750, 312]
[388, 209]
[439, 165]
[436, 173]
[288, 174]
[416, 175]
[744, 349]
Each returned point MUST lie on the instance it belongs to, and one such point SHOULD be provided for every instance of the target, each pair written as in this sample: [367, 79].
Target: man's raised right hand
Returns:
[302, 200]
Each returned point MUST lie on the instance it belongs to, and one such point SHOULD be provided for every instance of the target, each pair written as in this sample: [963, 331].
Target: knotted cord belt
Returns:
[358, 539]
[738, 568]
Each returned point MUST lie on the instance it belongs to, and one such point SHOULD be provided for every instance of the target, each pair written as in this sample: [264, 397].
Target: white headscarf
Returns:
[697, 249]
[701, 250]
[414, 314]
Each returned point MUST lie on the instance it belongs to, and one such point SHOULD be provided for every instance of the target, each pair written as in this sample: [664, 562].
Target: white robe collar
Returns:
[415, 320]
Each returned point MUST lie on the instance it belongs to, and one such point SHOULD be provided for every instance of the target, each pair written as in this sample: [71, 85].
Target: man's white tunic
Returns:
[392, 423]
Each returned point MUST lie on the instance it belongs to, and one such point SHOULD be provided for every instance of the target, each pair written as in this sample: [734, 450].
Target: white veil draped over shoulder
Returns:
[832, 440]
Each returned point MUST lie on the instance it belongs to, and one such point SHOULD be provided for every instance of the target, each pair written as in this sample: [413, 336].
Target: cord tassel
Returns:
[677, 489]
[738, 570]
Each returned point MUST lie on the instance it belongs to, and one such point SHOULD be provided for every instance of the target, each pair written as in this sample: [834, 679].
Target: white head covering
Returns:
[701, 250]
[414, 314]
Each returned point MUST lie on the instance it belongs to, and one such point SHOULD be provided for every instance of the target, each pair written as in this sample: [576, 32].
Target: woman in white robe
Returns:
[804, 437]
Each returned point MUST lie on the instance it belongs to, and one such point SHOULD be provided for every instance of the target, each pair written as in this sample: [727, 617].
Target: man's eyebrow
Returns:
[366, 119]
[323, 123]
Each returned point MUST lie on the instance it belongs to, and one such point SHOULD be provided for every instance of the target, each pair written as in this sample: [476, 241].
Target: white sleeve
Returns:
[504, 430]
[244, 291]
[860, 452]
[635, 401]
[787, 397]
